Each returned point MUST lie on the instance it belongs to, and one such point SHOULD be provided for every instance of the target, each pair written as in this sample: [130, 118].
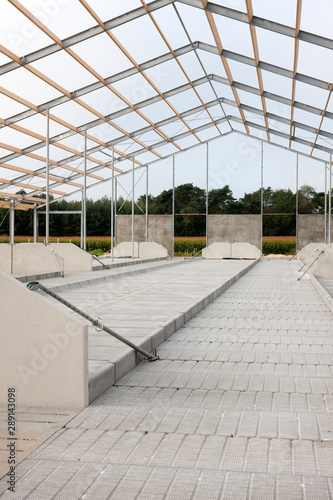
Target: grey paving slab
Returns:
[255, 422]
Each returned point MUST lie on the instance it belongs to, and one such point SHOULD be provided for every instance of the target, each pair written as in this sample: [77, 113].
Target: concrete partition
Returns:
[43, 351]
[37, 258]
[311, 229]
[235, 228]
[159, 229]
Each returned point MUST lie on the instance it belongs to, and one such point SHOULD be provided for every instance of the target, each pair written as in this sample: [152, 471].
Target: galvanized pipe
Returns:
[12, 223]
[47, 223]
[133, 209]
[207, 187]
[35, 224]
[112, 204]
[115, 211]
[84, 207]
[35, 285]
[173, 205]
[262, 193]
[325, 165]
[330, 203]
[296, 202]
[147, 201]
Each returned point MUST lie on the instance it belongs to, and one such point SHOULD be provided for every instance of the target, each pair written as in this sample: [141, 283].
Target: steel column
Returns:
[12, 223]
[112, 203]
[173, 205]
[207, 185]
[262, 193]
[115, 211]
[47, 229]
[82, 211]
[325, 165]
[133, 209]
[35, 224]
[84, 207]
[147, 201]
[330, 202]
[296, 202]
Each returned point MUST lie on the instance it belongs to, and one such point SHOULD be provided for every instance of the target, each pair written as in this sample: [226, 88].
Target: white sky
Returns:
[233, 160]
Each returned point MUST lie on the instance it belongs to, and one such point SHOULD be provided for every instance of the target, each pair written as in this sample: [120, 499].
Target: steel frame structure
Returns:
[49, 174]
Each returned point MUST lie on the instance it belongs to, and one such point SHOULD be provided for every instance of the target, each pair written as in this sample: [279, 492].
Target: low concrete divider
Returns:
[125, 362]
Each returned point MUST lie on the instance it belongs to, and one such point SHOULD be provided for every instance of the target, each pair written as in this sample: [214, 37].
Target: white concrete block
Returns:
[43, 349]
[76, 260]
[124, 250]
[323, 267]
[226, 250]
[312, 249]
[152, 250]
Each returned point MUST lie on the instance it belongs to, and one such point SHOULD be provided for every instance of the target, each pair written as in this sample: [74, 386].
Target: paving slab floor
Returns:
[239, 407]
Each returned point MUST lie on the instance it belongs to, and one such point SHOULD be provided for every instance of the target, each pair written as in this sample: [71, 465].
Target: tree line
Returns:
[190, 208]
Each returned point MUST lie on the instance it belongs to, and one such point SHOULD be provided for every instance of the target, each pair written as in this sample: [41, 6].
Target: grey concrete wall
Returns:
[311, 229]
[235, 228]
[159, 229]
[44, 350]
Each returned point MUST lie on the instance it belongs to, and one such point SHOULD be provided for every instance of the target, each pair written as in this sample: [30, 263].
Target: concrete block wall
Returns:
[311, 229]
[43, 351]
[159, 229]
[234, 228]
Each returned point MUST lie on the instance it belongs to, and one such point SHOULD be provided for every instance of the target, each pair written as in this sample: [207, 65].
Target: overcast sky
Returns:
[233, 160]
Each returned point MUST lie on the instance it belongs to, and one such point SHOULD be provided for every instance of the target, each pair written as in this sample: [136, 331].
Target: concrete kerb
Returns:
[129, 359]
[322, 292]
[100, 381]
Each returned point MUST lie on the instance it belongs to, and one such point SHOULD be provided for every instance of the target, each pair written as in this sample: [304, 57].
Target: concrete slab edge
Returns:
[107, 377]
[106, 279]
[128, 263]
[322, 292]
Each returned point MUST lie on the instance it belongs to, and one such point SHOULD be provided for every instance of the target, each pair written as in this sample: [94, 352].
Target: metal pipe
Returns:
[133, 209]
[112, 204]
[85, 194]
[325, 165]
[147, 180]
[115, 211]
[262, 193]
[82, 210]
[173, 205]
[296, 202]
[207, 186]
[35, 224]
[47, 223]
[34, 286]
[330, 203]
[310, 265]
[12, 223]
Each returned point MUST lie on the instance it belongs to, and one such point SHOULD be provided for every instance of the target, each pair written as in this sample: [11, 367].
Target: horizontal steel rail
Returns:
[35, 285]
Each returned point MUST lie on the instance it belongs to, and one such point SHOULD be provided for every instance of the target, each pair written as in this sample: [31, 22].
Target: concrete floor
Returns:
[239, 407]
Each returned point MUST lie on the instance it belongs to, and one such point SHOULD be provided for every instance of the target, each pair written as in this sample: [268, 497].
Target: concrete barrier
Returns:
[311, 249]
[323, 267]
[151, 250]
[234, 228]
[43, 351]
[124, 250]
[225, 250]
[37, 258]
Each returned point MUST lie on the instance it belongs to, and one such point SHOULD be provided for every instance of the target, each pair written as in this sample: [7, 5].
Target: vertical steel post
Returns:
[296, 202]
[85, 194]
[262, 192]
[115, 211]
[207, 186]
[325, 165]
[82, 208]
[133, 209]
[11, 223]
[330, 202]
[173, 205]
[47, 229]
[35, 224]
[112, 204]
[147, 208]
